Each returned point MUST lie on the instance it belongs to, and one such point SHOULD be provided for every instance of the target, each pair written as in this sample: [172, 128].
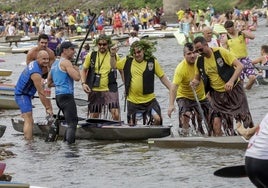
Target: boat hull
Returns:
[232, 142]
[2, 130]
[7, 100]
[5, 72]
[101, 130]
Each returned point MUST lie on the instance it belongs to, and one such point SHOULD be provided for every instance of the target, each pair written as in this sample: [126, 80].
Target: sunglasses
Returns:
[200, 50]
[102, 44]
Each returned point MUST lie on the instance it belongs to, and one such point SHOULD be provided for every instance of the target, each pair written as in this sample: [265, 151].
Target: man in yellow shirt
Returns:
[139, 70]
[183, 93]
[71, 23]
[98, 77]
[220, 71]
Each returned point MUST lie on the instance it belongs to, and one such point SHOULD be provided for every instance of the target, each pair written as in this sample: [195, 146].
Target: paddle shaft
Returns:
[89, 30]
[79, 102]
[201, 112]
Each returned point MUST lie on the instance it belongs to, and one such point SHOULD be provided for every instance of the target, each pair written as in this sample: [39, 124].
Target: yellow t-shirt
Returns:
[136, 85]
[180, 14]
[238, 46]
[102, 67]
[184, 73]
[211, 68]
[71, 20]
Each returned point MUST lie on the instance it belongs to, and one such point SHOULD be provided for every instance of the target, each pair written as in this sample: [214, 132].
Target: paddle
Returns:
[88, 31]
[78, 102]
[204, 122]
[238, 171]
[2, 168]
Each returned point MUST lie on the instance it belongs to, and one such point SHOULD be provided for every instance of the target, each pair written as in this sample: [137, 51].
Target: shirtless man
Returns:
[41, 45]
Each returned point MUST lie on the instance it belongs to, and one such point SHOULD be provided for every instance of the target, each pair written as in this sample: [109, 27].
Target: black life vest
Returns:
[112, 75]
[148, 76]
[225, 71]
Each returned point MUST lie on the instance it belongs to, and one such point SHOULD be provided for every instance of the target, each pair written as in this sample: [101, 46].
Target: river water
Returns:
[125, 164]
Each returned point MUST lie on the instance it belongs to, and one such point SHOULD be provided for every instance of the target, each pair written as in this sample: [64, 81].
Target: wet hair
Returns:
[188, 46]
[228, 24]
[200, 39]
[147, 46]
[43, 36]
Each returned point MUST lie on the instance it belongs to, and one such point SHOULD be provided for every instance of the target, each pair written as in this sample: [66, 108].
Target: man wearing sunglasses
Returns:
[220, 71]
[98, 79]
[139, 70]
[183, 93]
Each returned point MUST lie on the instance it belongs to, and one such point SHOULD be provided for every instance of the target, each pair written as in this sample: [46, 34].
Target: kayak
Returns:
[100, 129]
[232, 142]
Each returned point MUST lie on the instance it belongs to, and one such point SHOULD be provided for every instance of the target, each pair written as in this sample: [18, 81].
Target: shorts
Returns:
[248, 68]
[24, 102]
[139, 115]
[100, 27]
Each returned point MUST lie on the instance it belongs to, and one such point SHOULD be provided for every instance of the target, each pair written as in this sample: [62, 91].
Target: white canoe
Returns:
[232, 142]
[5, 49]
[8, 102]
[5, 72]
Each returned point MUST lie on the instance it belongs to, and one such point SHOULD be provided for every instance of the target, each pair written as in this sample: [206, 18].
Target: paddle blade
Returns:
[232, 172]
[2, 168]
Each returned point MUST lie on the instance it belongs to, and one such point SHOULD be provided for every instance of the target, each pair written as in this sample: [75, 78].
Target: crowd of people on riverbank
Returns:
[73, 21]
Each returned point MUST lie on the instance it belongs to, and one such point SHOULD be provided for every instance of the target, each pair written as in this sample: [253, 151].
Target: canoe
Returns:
[99, 129]
[5, 49]
[2, 130]
[7, 89]
[15, 38]
[232, 142]
[5, 72]
[7, 100]
[24, 49]
[19, 38]
[7, 184]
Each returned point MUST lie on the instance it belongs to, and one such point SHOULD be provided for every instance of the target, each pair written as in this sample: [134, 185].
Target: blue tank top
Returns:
[64, 84]
[25, 85]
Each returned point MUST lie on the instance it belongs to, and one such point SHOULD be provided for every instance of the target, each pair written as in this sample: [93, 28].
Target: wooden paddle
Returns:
[2, 168]
[238, 171]
[204, 121]
[78, 102]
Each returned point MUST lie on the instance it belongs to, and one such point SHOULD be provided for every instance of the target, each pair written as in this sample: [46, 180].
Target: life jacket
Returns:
[112, 75]
[225, 71]
[148, 76]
